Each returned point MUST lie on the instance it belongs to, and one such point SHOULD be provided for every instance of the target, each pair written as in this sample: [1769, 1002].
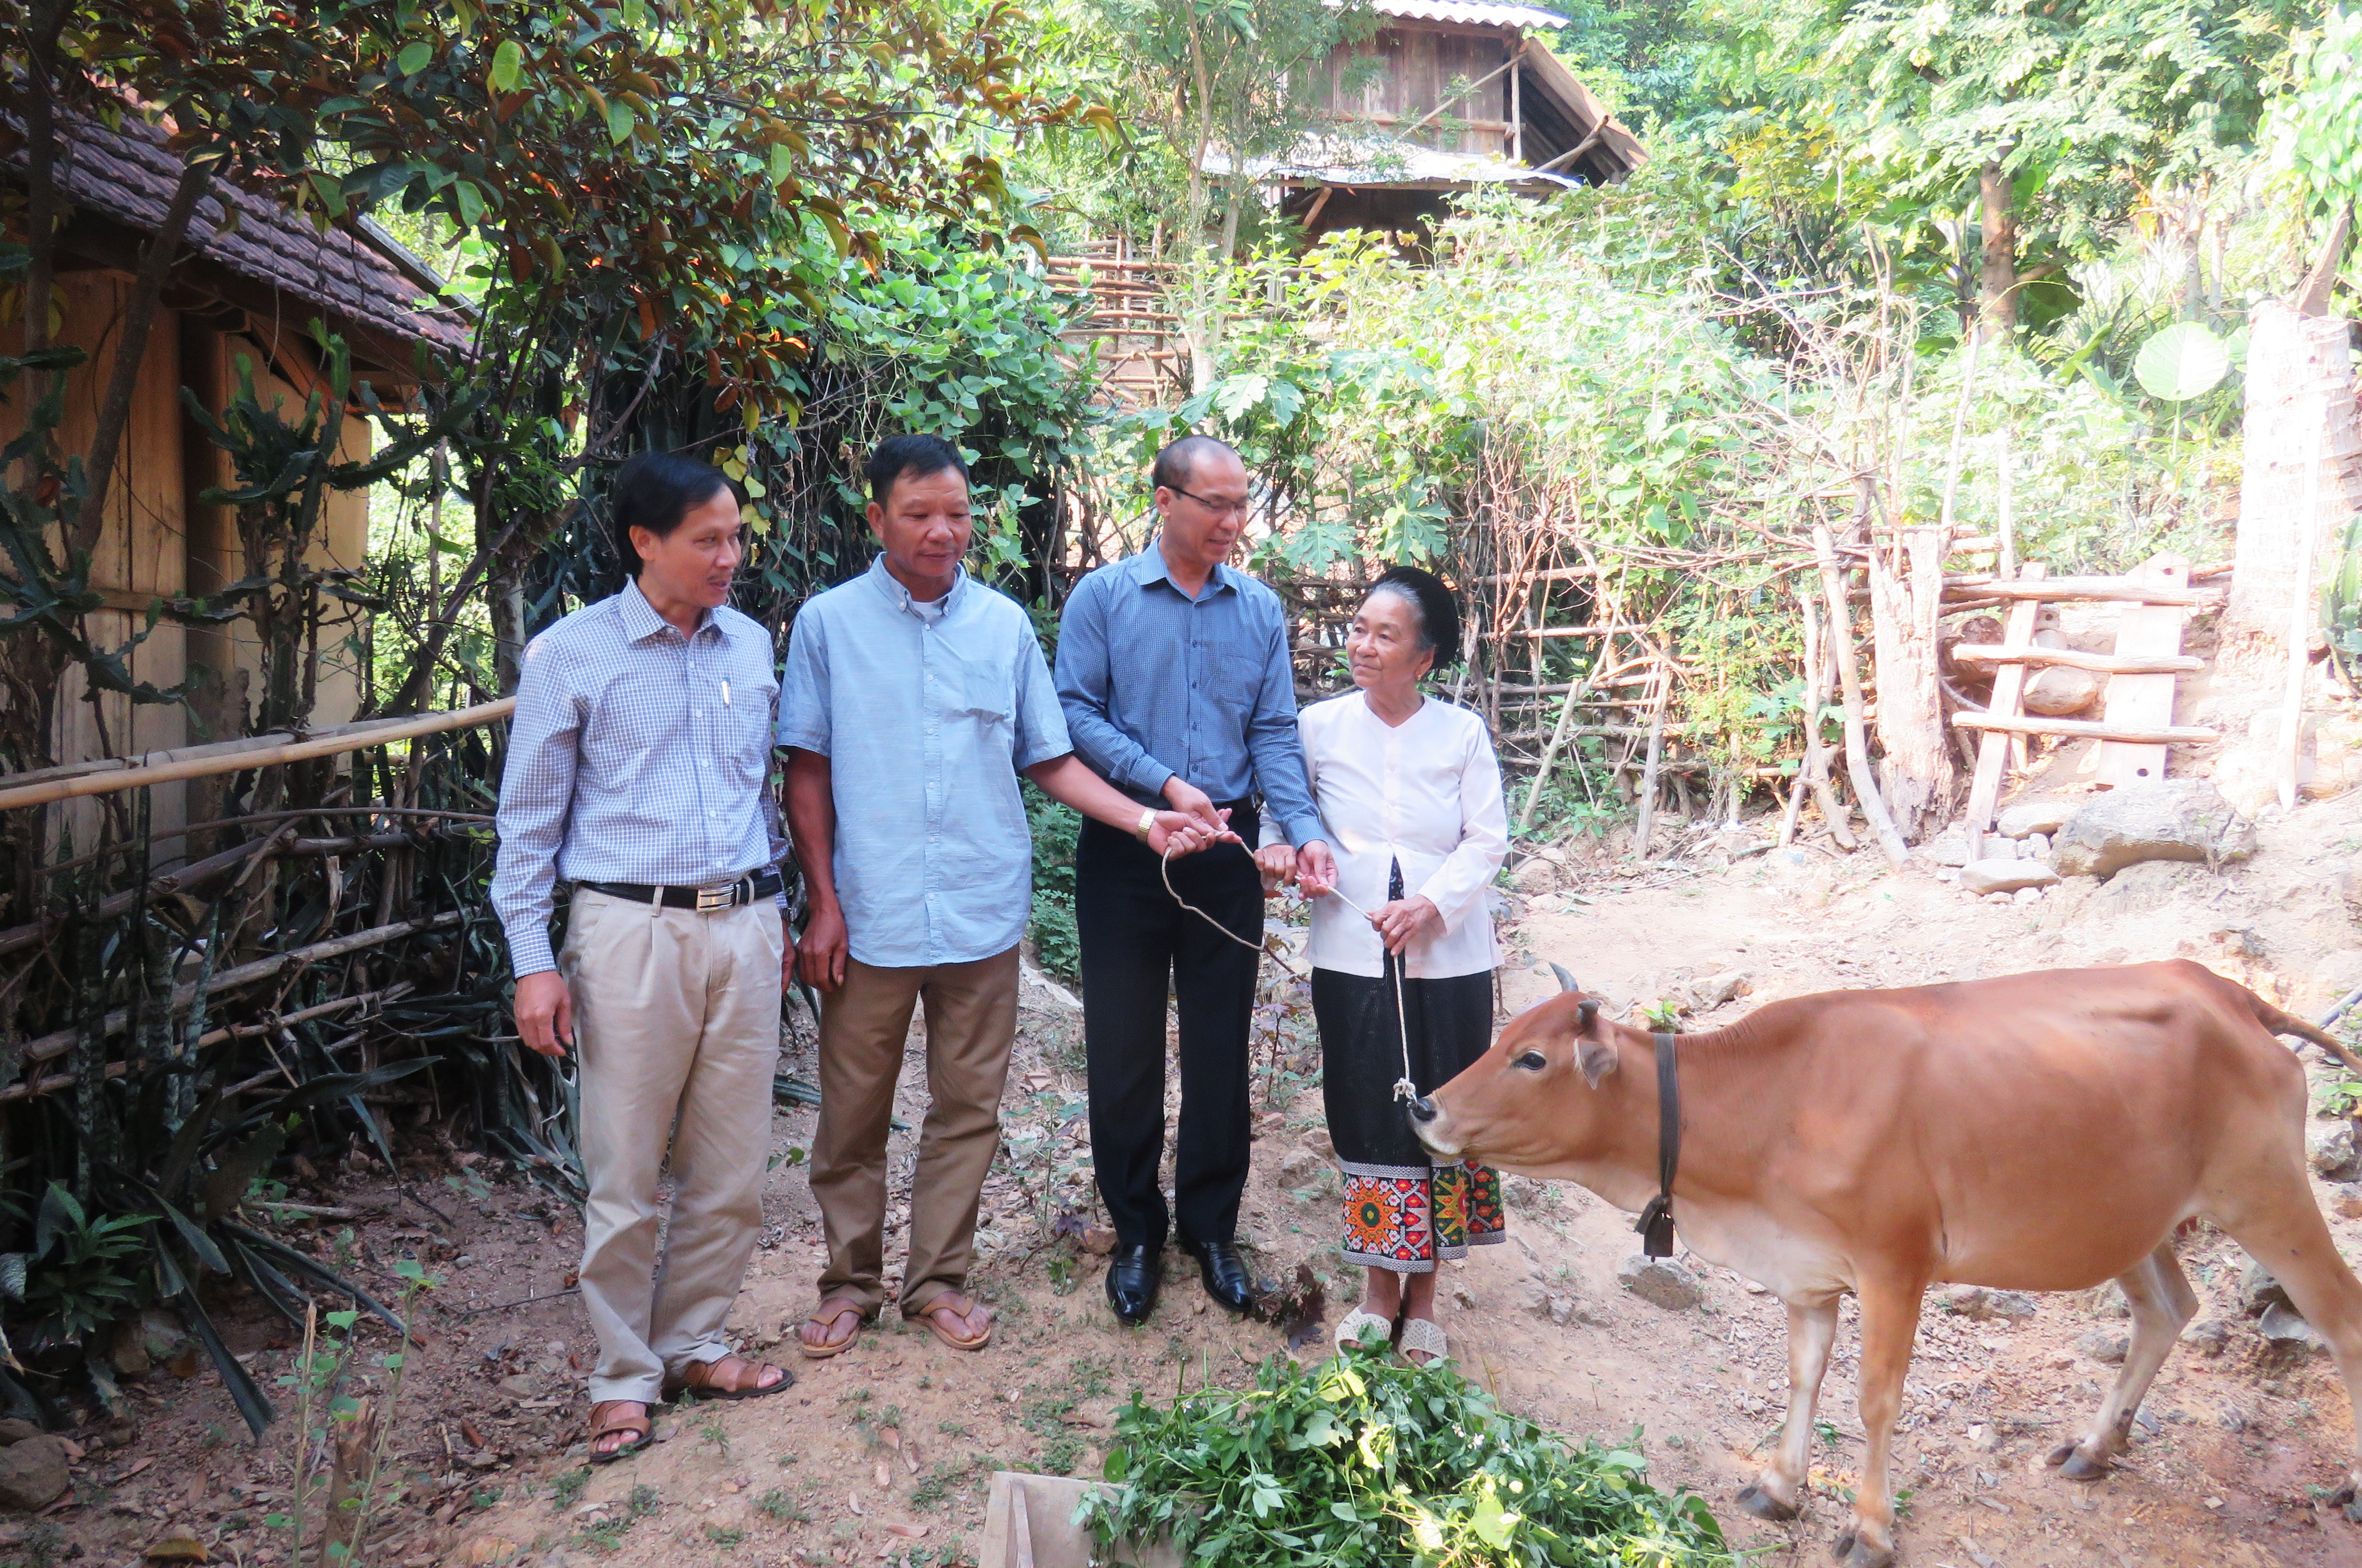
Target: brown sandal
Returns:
[946, 1302]
[698, 1378]
[826, 1319]
[604, 1422]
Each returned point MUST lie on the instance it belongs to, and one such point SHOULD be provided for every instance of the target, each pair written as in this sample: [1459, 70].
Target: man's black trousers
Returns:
[1138, 944]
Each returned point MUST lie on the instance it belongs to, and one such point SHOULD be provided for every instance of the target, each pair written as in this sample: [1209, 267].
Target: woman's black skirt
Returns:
[1402, 1210]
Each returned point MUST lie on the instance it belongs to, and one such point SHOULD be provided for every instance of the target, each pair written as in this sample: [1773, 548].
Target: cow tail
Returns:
[2281, 1022]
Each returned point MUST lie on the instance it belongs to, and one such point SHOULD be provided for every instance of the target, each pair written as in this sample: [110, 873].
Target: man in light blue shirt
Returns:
[913, 697]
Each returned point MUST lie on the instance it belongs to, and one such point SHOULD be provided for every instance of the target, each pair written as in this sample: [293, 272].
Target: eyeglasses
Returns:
[1219, 508]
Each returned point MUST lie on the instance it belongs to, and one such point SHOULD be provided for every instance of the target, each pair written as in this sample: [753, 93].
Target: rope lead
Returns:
[1403, 1088]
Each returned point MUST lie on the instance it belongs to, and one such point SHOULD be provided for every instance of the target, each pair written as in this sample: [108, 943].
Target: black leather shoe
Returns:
[1133, 1276]
[1224, 1272]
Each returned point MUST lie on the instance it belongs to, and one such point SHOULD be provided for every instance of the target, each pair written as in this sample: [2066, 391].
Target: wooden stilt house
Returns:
[253, 291]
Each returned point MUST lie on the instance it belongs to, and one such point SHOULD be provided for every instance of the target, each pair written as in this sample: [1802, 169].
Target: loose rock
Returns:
[1975, 1302]
[2347, 1202]
[2258, 1291]
[2282, 1327]
[2034, 816]
[33, 1474]
[2333, 1154]
[2166, 819]
[2006, 875]
[1661, 1282]
[2106, 1346]
[2061, 690]
[16, 1430]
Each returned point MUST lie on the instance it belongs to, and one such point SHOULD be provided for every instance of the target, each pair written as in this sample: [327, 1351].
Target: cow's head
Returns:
[1531, 1103]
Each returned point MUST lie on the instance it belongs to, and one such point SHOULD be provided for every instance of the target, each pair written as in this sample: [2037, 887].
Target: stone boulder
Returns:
[2333, 1153]
[33, 1474]
[1981, 1305]
[2166, 819]
[2029, 817]
[2058, 690]
[1982, 877]
[1661, 1282]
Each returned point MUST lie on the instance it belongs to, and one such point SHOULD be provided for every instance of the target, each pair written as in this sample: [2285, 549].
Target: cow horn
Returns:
[1566, 980]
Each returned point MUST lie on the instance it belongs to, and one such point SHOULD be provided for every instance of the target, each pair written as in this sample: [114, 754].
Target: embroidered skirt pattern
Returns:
[1402, 1211]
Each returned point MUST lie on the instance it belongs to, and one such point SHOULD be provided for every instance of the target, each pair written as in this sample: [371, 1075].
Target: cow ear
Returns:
[1593, 1053]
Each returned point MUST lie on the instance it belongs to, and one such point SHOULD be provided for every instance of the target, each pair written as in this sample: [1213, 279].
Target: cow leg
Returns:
[2162, 1305]
[2287, 1236]
[1778, 1492]
[1890, 1320]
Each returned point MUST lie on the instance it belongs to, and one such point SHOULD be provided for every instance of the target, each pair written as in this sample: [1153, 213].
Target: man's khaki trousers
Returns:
[971, 1023]
[677, 1025]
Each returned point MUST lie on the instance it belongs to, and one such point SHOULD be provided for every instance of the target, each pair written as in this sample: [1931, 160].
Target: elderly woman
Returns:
[1410, 792]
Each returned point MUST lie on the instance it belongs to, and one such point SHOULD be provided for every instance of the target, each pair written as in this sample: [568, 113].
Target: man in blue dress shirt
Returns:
[636, 769]
[1173, 671]
[914, 697]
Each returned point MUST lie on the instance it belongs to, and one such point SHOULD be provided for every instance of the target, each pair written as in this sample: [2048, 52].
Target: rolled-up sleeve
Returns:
[804, 688]
[1457, 887]
[1041, 724]
[537, 791]
[1083, 677]
[1276, 748]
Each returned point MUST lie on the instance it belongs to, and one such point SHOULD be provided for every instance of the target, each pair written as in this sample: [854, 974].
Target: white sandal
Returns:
[1424, 1336]
[1348, 1332]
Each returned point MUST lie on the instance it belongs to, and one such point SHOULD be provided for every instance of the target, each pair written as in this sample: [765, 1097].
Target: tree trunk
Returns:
[1918, 773]
[2300, 400]
[1857, 768]
[1997, 278]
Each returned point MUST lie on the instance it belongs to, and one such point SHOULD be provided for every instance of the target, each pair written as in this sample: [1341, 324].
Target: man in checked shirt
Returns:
[635, 771]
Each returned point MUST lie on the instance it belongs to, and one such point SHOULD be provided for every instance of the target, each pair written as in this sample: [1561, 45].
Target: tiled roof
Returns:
[129, 175]
[1480, 12]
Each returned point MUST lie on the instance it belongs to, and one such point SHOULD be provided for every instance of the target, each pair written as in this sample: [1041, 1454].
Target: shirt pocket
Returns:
[750, 725]
[986, 692]
[1238, 680]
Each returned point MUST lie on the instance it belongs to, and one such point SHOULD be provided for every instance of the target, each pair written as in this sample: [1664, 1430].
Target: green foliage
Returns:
[74, 1280]
[1057, 945]
[2181, 362]
[2321, 116]
[1363, 1460]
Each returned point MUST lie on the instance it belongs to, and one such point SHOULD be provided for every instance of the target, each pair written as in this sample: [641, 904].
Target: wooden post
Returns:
[2144, 702]
[2008, 686]
[2302, 429]
[2004, 486]
[1865, 785]
[1906, 594]
[1648, 821]
[1814, 774]
[2299, 637]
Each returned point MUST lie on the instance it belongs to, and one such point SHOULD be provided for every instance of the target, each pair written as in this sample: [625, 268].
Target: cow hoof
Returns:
[1756, 1500]
[1852, 1552]
[2071, 1462]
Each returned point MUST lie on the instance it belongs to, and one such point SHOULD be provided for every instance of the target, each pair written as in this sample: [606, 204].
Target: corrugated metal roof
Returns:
[1480, 13]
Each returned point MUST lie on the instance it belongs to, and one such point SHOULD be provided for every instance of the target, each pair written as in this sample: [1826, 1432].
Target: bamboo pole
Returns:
[58, 1044]
[2103, 589]
[1649, 769]
[1865, 785]
[2076, 659]
[2091, 729]
[351, 738]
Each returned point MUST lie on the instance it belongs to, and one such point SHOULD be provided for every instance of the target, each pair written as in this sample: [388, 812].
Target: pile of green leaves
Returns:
[1366, 1459]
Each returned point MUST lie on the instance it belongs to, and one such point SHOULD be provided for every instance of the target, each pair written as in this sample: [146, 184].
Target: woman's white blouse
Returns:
[1426, 792]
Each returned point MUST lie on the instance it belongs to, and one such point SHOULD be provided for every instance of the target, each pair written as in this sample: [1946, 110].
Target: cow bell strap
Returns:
[1656, 1226]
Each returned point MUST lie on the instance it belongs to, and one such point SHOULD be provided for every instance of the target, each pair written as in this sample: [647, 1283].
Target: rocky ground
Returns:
[882, 1454]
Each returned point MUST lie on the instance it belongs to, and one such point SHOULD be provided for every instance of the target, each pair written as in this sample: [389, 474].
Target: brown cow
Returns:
[2043, 1132]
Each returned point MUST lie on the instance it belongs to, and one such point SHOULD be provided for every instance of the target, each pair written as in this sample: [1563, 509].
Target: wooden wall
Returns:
[142, 553]
[159, 543]
[1418, 67]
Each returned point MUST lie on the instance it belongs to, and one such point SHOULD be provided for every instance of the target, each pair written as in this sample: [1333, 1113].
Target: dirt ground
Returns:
[881, 1455]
